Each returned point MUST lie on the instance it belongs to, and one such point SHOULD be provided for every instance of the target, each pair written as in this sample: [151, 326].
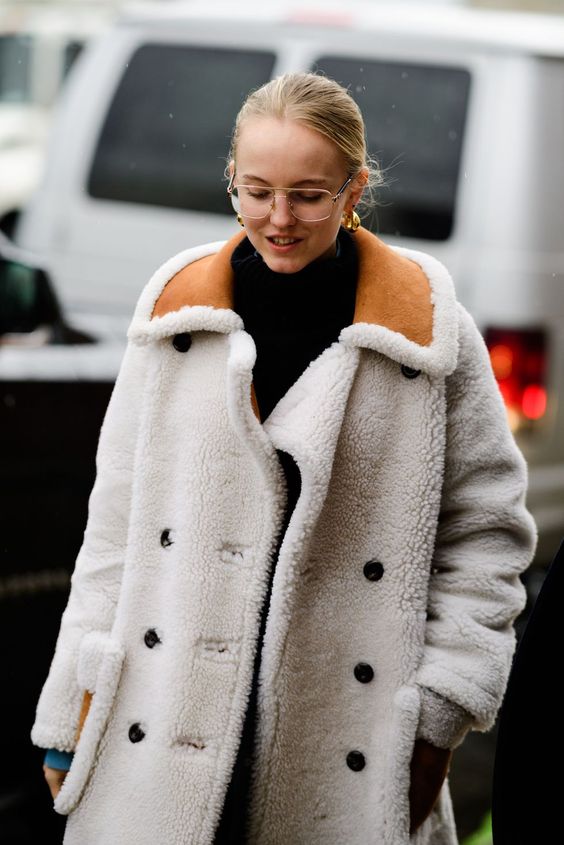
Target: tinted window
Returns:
[15, 55]
[166, 136]
[414, 117]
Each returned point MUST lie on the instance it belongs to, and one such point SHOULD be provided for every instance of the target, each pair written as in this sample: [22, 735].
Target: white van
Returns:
[463, 108]
[38, 46]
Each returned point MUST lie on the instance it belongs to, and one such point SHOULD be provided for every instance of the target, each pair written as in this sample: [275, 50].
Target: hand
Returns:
[54, 778]
[429, 767]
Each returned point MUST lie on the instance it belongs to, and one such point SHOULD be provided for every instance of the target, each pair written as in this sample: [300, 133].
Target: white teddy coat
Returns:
[420, 473]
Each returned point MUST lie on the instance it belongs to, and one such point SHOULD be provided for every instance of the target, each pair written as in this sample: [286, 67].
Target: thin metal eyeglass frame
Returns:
[334, 198]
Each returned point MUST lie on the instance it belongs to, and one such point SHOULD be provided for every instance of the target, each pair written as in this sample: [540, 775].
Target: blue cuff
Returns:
[56, 759]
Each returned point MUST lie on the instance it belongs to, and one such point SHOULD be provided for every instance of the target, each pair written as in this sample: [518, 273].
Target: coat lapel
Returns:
[307, 420]
[192, 291]
[405, 303]
[405, 307]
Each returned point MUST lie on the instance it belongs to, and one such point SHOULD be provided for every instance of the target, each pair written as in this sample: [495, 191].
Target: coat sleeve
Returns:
[96, 579]
[485, 538]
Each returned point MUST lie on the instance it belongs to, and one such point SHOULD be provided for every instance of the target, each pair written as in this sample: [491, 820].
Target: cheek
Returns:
[253, 228]
[331, 229]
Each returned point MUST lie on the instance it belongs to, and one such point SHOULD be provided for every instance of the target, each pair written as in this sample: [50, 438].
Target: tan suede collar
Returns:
[392, 290]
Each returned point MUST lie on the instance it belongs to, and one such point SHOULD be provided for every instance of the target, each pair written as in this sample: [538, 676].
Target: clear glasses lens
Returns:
[307, 204]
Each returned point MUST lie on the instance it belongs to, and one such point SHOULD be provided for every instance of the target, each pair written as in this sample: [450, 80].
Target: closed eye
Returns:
[308, 196]
[256, 193]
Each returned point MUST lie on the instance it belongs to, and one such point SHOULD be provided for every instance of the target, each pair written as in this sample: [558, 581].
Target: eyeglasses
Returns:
[307, 204]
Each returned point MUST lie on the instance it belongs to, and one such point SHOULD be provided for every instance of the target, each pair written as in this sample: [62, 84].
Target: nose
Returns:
[280, 213]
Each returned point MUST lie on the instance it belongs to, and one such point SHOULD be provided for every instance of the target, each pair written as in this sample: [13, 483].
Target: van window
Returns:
[15, 57]
[166, 136]
[415, 116]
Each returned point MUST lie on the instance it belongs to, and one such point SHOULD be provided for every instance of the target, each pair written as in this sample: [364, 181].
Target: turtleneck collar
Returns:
[292, 317]
[321, 293]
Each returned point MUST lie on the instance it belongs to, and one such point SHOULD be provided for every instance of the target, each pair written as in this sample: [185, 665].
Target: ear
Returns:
[356, 189]
[231, 170]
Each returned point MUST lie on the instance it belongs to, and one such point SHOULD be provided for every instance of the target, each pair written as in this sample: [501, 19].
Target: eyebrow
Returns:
[250, 179]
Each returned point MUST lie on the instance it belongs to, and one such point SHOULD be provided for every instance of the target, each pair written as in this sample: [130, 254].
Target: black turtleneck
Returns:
[292, 317]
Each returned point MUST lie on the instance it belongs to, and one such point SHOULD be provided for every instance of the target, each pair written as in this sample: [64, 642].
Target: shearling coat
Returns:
[403, 552]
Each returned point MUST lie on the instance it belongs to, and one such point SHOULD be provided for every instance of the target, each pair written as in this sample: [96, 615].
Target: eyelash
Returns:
[303, 197]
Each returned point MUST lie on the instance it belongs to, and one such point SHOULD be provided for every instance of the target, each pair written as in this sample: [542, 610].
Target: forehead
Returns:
[283, 151]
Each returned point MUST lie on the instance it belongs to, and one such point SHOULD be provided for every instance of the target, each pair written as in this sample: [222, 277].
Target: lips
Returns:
[279, 240]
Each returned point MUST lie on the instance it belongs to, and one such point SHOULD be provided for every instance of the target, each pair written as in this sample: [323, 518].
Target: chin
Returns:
[283, 265]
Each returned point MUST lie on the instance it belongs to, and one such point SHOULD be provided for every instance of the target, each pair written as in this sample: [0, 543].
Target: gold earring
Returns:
[240, 221]
[351, 221]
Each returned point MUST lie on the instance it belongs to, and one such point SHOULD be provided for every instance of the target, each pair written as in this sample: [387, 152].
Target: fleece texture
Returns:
[406, 459]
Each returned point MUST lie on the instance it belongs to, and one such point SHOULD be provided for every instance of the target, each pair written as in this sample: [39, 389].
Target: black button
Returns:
[151, 638]
[166, 538]
[136, 732]
[409, 372]
[363, 672]
[182, 342]
[373, 570]
[356, 761]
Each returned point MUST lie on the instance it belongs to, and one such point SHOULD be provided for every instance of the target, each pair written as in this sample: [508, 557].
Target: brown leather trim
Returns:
[254, 402]
[392, 291]
[87, 698]
[208, 281]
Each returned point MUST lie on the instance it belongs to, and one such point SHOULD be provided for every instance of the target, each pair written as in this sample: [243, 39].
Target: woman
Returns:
[298, 581]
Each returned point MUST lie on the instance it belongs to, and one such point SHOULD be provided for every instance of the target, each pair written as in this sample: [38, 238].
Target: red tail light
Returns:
[518, 359]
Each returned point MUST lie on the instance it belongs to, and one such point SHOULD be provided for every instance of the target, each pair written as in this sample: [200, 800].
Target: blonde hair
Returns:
[322, 104]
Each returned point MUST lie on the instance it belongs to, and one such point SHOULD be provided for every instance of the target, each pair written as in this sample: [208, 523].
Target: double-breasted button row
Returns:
[364, 673]
[373, 570]
[182, 342]
[136, 732]
[151, 638]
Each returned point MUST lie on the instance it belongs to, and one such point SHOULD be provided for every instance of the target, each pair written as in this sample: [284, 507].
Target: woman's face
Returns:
[285, 153]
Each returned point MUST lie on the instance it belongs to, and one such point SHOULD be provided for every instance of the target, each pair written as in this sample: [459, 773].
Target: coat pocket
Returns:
[403, 730]
[100, 663]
